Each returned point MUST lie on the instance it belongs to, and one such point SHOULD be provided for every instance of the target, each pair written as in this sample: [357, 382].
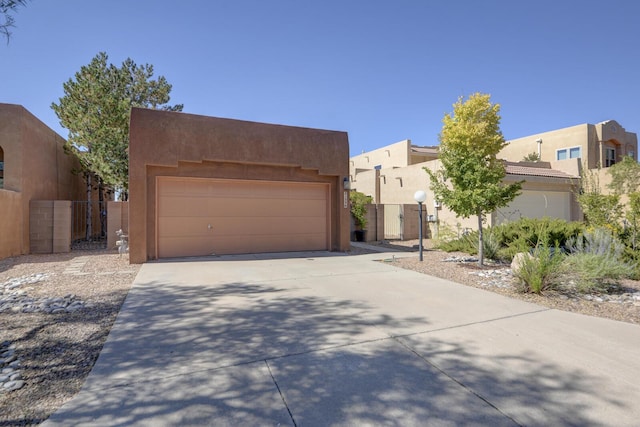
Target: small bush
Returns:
[597, 261]
[530, 232]
[540, 270]
[592, 272]
[491, 245]
[467, 243]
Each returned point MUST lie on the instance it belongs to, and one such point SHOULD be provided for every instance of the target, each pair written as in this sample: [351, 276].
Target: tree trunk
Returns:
[480, 241]
[102, 208]
[89, 229]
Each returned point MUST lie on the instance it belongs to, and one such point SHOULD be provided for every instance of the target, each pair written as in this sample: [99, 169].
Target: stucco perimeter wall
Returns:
[11, 224]
[35, 163]
[177, 144]
[117, 219]
[50, 226]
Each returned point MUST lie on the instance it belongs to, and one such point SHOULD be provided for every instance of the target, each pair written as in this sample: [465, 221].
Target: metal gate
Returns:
[88, 232]
[393, 222]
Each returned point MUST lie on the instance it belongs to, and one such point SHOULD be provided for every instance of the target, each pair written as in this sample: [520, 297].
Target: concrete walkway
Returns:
[325, 339]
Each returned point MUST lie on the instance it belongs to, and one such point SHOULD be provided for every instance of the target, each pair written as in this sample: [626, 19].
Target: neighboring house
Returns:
[392, 174]
[598, 146]
[210, 186]
[33, 166]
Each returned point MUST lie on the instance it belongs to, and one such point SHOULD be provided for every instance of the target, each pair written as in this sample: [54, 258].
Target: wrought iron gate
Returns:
[393, 222]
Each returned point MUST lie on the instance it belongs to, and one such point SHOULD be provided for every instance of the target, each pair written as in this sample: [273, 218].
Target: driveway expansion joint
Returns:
[284, 401]
[455, 380]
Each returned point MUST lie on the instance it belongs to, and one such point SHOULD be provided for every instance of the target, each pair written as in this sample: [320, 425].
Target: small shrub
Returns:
[491, 245]
[592, 272]
[597, 261]
[540, 271]
[467, 243]
[529, 232]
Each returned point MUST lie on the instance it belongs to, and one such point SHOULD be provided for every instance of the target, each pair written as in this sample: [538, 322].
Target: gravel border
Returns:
[57, 351]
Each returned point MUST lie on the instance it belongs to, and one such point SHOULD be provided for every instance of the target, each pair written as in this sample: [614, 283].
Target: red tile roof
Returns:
[526, 170]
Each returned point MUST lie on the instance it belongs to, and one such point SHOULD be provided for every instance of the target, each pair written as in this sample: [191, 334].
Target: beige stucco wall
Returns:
[391, 156]
[35, 164]
[177, 144]
[582, 136]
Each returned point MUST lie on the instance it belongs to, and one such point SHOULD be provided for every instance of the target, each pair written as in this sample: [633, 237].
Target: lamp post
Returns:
[420, 196]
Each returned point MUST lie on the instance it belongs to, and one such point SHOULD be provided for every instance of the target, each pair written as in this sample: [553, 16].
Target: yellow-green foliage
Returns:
[359, 202]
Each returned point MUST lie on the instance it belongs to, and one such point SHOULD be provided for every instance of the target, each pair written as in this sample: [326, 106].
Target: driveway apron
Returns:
[326, 339]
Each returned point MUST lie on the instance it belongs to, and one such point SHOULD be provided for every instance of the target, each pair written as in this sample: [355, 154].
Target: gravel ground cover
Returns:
[57, 310]
[56, 345]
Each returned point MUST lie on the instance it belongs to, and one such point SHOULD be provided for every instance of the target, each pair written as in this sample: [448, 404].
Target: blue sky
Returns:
[383, 71]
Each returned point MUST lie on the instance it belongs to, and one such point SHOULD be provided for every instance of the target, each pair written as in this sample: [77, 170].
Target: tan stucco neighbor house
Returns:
[33, 167]
[392, 174]
[210, 186]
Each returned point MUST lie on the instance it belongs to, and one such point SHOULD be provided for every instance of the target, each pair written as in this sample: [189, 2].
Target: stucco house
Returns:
[33, 167]
[210, 186]
[392, 174]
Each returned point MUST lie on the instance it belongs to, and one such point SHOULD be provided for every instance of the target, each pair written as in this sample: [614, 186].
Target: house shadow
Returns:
[254, 353]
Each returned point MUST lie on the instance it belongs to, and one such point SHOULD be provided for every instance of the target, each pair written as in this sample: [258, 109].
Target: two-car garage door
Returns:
[198, 216]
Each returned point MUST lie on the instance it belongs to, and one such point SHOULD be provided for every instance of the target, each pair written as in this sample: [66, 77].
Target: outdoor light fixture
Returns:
[420, 197]
[346, 183]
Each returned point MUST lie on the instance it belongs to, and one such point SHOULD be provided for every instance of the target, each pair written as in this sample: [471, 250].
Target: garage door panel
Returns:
[180, 226]
[202, 216]
[266, 226]
[260, 244]
[186, 246]
[264, 207]
[536, 204]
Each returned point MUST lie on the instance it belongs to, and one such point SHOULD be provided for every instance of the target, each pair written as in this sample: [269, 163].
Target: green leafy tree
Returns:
[96, 108]
[600, 210]
[7, 7]
[470, 180]
[625, 180]
[625, 176]
[359, 202]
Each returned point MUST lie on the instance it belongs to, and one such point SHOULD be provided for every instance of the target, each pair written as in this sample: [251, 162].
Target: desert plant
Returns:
[540, 270]
[590, 272]
[492, 244]
[467, 243]
[531, 157]
[596, 261]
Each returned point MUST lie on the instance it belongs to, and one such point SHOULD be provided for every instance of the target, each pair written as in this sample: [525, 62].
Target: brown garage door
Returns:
[198, 216]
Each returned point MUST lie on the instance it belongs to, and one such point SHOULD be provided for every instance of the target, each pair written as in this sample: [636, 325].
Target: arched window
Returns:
[1, 168]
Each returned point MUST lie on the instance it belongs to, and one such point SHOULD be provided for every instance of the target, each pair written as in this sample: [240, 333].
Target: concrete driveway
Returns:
[324, 339]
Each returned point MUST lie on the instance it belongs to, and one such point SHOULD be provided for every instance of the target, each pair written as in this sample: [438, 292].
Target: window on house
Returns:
[610, 157]
[574, 153]
[568, 153]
